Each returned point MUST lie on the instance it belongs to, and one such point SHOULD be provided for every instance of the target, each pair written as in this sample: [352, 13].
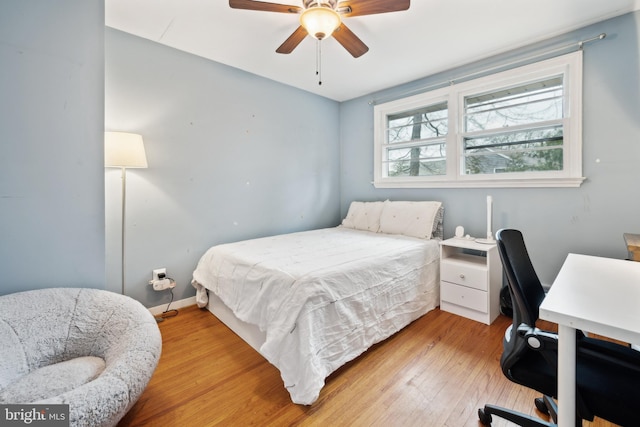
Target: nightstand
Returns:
[470, 279]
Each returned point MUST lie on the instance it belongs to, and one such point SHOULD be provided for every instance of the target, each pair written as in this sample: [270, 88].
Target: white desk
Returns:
[598, 295]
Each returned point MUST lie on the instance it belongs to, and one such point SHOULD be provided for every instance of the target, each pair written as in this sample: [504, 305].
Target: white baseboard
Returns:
[174, 305]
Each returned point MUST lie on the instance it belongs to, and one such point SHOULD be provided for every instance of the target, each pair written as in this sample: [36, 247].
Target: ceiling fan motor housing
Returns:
[323, 3]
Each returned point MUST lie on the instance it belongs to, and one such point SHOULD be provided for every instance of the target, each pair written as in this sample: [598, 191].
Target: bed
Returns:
[311, 301]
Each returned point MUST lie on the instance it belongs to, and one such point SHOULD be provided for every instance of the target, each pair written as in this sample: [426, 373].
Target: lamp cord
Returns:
[167, 312]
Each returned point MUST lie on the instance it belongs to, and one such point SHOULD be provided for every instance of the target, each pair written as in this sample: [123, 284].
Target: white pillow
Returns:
[364, 216]
[413, 219]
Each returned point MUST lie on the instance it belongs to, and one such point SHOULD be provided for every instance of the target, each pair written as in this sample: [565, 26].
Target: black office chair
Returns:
[607, 374]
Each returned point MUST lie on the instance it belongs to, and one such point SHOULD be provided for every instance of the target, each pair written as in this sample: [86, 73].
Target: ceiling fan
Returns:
[322, 18]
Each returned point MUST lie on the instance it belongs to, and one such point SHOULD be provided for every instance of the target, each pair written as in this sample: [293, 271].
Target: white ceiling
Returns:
[432, 36]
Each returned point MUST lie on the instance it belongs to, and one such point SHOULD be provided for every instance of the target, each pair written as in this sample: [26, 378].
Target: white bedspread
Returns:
[322, 296]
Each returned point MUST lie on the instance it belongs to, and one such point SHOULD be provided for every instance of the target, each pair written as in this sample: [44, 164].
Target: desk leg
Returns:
[566, 376]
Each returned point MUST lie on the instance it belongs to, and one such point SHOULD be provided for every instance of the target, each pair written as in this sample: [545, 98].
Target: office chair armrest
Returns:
[537, 339]
[609, 353]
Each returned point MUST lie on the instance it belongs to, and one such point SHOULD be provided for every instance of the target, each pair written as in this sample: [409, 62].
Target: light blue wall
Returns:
[590, 219]
[231, 156]
[51, 149]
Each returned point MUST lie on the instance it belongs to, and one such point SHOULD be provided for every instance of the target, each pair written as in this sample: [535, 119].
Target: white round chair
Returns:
[91, 349]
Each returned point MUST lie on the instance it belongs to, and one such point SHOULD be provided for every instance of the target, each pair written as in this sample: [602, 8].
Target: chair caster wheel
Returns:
[485, 419]
[541, 406]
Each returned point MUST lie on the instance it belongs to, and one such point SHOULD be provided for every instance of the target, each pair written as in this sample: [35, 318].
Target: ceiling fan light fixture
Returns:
[320, 21]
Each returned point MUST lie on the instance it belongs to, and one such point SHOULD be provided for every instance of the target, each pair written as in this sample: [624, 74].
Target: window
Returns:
[519, 128]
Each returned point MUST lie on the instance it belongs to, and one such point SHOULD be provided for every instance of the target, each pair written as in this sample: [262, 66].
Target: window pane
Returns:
[423, 123]
[426, 160]
[526, 104]
[521, 151]
[548, 160]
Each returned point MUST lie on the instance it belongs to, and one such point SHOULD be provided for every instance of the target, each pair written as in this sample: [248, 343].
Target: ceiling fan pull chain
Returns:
[319, 61]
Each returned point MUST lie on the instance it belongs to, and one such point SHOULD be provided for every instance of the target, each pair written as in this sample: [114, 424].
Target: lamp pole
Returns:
[124, 201]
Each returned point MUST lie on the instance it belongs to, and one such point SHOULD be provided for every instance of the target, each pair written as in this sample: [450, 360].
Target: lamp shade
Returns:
[124, 150]
[320, 22]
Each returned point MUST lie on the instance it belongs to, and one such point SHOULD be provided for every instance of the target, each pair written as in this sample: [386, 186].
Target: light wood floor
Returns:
[436, 372]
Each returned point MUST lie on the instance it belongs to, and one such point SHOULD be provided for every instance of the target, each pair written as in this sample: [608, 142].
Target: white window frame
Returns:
[569, 66]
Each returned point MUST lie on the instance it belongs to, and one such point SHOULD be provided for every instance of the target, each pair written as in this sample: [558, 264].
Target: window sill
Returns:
[475, 183]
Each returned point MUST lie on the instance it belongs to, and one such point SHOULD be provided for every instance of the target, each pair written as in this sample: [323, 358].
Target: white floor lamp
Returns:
[124, 150]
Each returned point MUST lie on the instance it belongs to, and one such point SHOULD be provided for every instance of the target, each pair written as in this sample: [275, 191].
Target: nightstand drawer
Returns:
[464, 296]
[470, 275]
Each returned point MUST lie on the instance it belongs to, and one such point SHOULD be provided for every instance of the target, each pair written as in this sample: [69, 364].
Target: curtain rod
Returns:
[579, 46]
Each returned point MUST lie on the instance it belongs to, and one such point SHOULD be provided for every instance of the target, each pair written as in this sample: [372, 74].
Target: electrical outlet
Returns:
[157, 272]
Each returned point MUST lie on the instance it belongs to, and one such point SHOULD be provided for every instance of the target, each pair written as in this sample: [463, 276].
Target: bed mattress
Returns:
[322, 297]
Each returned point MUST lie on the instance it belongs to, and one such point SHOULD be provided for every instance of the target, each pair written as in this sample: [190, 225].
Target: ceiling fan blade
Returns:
[371, 7]
[264, 6]
[293, 41]
[350, 41]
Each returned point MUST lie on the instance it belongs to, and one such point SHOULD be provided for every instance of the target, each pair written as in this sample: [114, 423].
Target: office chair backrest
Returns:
[526, 295]
[525, 286]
